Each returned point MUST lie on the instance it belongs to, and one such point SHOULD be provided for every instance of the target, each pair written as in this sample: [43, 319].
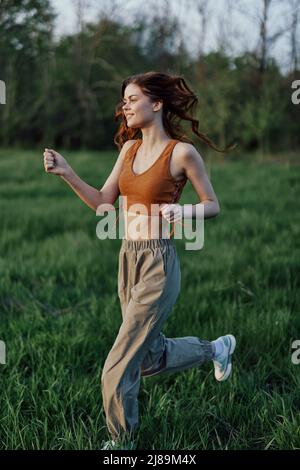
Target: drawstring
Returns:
[177, 222]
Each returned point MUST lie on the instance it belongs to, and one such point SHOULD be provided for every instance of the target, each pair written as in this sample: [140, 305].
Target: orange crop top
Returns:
[156, 185]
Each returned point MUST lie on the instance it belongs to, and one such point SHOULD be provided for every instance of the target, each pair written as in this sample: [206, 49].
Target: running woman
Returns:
[155, 161]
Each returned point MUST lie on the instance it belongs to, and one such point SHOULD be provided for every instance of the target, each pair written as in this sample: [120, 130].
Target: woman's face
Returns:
[137, 108]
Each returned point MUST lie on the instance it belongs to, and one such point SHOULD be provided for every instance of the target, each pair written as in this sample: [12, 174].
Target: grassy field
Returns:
[60, 312]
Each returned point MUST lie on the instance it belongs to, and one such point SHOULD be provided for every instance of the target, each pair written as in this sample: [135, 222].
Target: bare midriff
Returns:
[145, 227]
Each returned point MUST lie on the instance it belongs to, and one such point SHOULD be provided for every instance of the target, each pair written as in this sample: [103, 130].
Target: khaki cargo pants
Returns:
[148, 286]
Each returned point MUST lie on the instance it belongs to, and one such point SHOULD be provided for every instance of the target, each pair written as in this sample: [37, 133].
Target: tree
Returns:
[294, 29]
[25, 34]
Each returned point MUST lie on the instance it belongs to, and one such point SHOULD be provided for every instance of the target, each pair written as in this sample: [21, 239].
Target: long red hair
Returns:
[178, 99]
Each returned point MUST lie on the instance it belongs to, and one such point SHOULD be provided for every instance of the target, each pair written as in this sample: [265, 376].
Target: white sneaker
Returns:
[108, 445]
[117, 445]
[222, 362]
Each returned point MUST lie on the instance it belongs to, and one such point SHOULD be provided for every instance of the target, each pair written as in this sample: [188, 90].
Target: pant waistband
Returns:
[150, 243]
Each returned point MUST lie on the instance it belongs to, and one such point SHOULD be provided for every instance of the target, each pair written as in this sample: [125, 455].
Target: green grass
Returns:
[60, 313]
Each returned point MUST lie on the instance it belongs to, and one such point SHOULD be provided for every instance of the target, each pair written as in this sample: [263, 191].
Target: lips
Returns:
[129, 115]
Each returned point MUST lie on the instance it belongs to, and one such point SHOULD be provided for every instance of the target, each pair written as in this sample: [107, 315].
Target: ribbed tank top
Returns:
[155, 185]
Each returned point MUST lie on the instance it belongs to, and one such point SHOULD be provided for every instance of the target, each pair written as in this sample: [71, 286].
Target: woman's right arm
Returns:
[56, 164]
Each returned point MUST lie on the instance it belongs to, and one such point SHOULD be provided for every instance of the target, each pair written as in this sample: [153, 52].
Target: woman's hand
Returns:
[171, 212]
[55, 163]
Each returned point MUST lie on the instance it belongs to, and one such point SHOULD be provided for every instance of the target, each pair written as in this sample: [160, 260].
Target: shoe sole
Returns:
[229, 365]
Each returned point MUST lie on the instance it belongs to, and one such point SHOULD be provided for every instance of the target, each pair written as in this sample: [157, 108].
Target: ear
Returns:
[157, 106]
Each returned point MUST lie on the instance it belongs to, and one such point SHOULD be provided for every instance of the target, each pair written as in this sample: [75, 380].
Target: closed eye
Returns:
[124, 102]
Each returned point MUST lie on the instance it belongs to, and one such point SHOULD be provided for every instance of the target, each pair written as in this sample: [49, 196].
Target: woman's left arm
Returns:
[194, 168]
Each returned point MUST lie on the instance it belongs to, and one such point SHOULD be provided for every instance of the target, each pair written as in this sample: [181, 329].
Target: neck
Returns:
[154, 138]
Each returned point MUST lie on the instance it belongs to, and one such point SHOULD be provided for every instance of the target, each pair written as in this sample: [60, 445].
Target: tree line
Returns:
[62, 92]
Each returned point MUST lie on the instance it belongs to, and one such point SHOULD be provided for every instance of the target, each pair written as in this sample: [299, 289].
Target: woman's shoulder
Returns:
[125, 152]
[183, 150]
[184, 146]
[130, 142]
[184, 155]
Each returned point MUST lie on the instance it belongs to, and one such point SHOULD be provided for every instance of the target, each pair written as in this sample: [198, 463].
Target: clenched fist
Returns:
[55, 163]
[171, 212]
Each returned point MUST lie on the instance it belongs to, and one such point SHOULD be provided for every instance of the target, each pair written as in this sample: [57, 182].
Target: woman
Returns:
[155, 161]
